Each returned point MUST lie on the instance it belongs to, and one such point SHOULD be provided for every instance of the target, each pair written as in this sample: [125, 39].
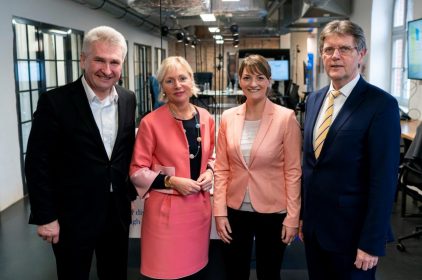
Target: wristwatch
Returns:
[167, 183]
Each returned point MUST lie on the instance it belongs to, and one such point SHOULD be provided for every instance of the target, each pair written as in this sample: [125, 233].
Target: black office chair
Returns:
[411, 184]
[291, 96]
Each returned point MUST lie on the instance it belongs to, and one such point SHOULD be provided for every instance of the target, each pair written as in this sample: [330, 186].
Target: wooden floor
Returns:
[23, 255]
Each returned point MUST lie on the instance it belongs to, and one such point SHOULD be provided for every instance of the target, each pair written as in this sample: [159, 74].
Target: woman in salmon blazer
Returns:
[171, 168]
[257, 177]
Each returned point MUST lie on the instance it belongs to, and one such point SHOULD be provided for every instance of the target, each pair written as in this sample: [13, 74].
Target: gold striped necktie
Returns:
[326, 123]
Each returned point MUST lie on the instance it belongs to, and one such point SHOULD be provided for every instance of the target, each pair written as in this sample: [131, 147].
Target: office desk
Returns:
[217, 101]
[408, 129]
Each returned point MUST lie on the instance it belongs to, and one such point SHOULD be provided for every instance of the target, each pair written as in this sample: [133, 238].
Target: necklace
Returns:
[192, 153]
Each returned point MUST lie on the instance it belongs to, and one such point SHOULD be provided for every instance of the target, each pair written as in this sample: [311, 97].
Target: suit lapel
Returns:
[239, 121]
[121, 108]
[312, 112]
[267, 118]
[356, 97]
[81, 103]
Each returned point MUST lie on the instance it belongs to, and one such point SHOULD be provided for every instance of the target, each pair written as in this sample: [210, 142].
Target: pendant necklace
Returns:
[192, 155]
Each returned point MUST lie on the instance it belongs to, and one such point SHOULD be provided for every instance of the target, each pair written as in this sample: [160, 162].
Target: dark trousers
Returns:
[266, 229]
[323, 264]
[74, 258]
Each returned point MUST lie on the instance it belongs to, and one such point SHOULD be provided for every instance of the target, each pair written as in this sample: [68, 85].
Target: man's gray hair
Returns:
[104, 34]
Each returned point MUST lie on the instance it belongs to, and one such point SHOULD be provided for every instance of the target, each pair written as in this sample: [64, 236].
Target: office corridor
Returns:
[23, 255]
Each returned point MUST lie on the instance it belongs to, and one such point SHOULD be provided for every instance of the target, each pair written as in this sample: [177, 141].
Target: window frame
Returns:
[31, 78]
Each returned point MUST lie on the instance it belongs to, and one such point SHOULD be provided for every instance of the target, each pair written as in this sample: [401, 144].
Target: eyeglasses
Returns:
[343, 50]
[172, 81]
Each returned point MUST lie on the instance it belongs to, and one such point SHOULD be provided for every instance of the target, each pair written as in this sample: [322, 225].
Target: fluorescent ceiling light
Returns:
[207, 17]
[214, 29]
[219, 42]
[218, 37]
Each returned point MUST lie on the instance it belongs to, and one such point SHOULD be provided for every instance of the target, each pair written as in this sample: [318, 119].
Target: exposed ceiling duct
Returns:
[254, 17]
[120, 11]
[307, 14]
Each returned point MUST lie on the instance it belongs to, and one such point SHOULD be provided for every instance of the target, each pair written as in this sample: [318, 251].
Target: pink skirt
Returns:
[175, 235]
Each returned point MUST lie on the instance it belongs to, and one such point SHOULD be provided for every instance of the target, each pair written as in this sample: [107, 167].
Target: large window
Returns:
[143, 68]
[124, 79]
[400, 85]
[160, 55]
[45, 57]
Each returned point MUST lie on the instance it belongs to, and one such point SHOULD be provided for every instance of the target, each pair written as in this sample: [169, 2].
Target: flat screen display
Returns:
[279, 70]
[414, 44]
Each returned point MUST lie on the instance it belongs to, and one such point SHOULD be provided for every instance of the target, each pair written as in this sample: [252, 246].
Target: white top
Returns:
[250, 129]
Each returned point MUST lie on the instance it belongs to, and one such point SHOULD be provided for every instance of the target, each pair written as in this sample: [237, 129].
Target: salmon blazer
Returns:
[161, 147]
[273, 174]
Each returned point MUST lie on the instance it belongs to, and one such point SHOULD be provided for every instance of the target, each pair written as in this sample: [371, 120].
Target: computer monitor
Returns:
[203, 77]
[279, 70]
[414, 48]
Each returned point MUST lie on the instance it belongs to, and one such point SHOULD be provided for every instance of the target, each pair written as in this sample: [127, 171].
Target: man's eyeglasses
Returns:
[343, 50]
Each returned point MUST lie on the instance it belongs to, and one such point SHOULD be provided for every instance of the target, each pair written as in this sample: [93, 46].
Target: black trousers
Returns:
[323, 264]
[266, 230]
[74, 258]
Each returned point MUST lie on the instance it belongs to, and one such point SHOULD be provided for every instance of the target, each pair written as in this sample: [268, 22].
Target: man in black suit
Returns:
[77, 163]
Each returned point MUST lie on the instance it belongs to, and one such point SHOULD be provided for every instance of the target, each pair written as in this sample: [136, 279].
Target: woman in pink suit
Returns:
[172, 168]
[257, 177]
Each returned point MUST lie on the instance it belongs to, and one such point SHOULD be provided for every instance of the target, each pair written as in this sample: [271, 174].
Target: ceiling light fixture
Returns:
[207, 17]
[193, 43]
[219, 42]
[164, 30]
[180, 36]
[187, 41]
[234, 28]
[214, 29]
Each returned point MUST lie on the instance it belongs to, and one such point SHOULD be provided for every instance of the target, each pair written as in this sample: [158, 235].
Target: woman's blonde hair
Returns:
[171, 63]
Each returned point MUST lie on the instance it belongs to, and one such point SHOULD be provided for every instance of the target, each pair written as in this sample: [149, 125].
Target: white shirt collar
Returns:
[347, 88]
[90, 94]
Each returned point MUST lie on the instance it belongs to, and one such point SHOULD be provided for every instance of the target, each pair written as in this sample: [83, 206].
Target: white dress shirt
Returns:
[338, 102]
[105, 115]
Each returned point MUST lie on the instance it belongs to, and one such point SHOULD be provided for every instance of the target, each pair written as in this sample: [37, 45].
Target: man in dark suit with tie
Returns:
[77, 163]
[350, 163]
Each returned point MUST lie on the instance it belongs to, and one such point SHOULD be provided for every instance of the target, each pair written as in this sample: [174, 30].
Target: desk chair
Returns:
[291, 96]
[411, 185]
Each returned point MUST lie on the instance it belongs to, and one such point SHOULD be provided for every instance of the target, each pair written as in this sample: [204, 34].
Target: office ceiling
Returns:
[255, 18]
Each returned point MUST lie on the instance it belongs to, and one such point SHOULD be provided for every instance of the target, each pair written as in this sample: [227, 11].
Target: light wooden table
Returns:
[408, 129]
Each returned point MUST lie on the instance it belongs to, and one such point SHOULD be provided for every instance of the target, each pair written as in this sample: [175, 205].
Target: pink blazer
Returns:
[161, 147]
[274, 171]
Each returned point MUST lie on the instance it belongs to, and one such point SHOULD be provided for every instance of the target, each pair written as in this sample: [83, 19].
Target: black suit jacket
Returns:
[67, 168]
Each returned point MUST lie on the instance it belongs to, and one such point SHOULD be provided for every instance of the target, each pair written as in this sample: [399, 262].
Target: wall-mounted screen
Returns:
[414, 43]
[279, 70]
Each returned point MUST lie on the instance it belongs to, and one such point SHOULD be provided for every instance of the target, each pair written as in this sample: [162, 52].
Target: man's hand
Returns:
[365, 261]
[49, 232]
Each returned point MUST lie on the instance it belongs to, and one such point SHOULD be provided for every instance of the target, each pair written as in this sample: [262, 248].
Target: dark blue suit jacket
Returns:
[348, 191]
